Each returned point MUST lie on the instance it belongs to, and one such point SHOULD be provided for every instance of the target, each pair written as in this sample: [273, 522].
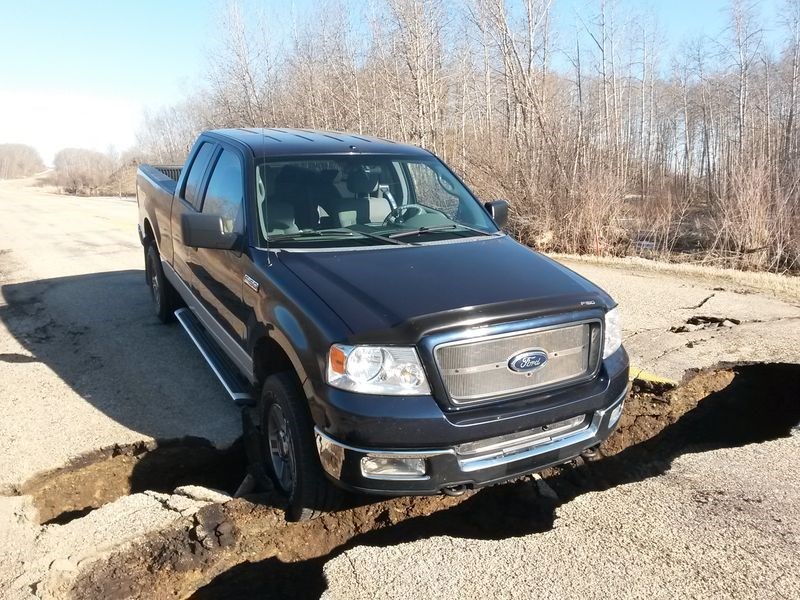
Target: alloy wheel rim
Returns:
[154, 287]
[281, 452]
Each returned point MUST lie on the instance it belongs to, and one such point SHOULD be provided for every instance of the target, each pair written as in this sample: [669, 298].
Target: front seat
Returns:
[362, 182]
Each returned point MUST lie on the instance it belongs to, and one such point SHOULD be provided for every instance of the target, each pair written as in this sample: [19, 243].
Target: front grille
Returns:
[477, 369]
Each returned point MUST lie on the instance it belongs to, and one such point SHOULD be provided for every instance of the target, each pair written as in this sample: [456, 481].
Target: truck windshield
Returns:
[363, 200]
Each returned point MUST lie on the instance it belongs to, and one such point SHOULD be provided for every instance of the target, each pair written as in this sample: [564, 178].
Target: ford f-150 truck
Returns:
[381, 331]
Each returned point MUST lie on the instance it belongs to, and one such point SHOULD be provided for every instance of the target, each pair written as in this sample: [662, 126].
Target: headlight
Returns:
[383, 370]
[613, 333]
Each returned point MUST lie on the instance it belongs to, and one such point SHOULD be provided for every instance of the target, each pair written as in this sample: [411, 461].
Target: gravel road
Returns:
[89, 377]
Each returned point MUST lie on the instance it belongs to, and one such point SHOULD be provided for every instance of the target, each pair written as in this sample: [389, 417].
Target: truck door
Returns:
[187, 199]
[218, 273]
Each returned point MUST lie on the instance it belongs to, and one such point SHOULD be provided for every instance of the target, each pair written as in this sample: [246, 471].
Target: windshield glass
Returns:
[363, 200]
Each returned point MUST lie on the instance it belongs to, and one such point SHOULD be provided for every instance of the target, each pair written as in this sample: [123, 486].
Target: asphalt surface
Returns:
[746, 324]
[723, 524]
[85, 366]
[83, 362]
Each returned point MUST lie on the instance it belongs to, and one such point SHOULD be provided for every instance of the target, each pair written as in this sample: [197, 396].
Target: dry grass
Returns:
[583, 219]
[756, 223]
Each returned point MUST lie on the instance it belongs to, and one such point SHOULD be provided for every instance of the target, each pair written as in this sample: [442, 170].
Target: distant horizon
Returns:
[84, 74]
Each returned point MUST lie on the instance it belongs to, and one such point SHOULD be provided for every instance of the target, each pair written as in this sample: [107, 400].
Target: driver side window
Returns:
[225, 192]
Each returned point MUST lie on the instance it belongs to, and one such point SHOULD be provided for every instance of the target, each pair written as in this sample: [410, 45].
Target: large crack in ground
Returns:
[244, 548]
[94, 480]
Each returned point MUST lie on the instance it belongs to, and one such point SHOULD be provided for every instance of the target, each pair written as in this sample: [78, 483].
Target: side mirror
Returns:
[207, 231]
[498, 210]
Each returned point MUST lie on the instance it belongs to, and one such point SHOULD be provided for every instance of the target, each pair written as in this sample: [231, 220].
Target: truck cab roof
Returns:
[304, 142]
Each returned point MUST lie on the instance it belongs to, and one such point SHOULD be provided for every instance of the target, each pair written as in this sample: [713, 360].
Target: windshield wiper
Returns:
[308, 233]
[422, 230]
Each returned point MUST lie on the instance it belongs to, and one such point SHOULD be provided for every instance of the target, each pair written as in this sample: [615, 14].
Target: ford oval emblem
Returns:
[527, 362]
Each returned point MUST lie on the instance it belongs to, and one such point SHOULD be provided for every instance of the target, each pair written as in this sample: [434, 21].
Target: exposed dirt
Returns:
[244, 548]
[700, 322]
[94, 480]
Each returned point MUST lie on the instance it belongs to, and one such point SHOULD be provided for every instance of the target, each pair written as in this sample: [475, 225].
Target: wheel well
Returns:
[148, 232]
[269, 358]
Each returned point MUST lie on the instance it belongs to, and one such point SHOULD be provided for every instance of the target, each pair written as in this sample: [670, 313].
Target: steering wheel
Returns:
[401, 214]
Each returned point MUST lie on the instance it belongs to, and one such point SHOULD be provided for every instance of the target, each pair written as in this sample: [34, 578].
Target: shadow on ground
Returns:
[97, 332]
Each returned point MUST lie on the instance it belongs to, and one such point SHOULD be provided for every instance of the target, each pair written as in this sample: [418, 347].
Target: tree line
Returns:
[602, 142]
[90, 173]
[19, 160]
[77, 171]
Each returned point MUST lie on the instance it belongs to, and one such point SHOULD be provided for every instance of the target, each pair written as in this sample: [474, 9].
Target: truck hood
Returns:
[441, 285]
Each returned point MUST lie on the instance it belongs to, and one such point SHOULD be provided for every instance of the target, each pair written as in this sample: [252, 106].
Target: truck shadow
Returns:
[759, 404]
[97, 332]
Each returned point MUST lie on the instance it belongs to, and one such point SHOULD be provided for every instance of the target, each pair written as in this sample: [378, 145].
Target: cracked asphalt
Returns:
[84, 366]
[653, 303]
[722, 524]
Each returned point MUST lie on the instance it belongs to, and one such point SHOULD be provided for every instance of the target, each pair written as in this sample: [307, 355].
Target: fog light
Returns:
[392, 467]
[616, 414]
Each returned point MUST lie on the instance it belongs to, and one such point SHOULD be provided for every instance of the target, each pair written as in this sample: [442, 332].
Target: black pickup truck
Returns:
[379, 328]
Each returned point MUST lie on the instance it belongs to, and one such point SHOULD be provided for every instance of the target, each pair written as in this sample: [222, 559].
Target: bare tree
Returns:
[602, 142]
[83, 172]
[19, 160]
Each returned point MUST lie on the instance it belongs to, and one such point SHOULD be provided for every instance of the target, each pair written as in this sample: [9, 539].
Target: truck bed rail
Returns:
[171, 171]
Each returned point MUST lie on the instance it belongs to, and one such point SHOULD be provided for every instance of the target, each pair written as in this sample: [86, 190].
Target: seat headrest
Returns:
[362, 180]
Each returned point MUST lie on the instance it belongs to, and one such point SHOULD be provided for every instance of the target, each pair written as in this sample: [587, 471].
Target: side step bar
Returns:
[227, 373]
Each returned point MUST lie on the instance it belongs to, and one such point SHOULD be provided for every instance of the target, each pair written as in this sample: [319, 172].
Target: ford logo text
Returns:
[527, 362]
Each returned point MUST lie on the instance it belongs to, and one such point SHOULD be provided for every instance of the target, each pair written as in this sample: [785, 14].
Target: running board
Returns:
[227, 373]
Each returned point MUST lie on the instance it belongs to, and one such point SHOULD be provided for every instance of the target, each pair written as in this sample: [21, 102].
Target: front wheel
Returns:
[289, 451]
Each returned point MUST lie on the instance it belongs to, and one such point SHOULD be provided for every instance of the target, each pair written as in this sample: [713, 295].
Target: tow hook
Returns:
[454, 490]
[591, 454]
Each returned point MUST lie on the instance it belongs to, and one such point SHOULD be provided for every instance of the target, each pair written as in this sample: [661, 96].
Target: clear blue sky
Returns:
[81, 72]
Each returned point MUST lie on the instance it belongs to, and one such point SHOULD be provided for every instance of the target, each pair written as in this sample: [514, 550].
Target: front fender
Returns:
[285, 311]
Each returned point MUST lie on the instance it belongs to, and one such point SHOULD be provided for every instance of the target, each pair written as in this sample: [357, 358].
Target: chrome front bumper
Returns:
[472, 464]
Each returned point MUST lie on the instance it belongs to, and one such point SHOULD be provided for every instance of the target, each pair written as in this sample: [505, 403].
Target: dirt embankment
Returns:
[244, 548]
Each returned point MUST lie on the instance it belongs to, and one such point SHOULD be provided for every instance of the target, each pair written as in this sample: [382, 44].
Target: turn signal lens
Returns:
[336, 360]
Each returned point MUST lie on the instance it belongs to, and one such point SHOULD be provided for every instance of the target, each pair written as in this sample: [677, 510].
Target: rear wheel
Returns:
[162, 293]
[288, 450]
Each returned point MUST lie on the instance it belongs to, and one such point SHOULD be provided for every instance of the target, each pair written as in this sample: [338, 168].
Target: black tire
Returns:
[162, 293]
[309, 492]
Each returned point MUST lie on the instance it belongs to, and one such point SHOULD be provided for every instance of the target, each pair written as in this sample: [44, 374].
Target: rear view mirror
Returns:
[447, 184]
[207, 231]
[498, 210]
